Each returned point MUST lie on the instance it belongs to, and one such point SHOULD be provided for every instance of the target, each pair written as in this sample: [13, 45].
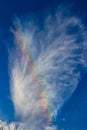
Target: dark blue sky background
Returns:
[74, 112]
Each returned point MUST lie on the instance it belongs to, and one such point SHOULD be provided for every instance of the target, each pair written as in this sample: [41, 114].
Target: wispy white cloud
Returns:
[5, 126]
[46, 68]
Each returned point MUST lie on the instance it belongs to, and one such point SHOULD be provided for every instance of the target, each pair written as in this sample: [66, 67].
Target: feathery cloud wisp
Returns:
[46, 68]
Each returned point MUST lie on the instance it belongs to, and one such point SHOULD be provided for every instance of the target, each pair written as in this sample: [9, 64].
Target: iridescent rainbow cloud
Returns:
[31, 68]
[46, 68]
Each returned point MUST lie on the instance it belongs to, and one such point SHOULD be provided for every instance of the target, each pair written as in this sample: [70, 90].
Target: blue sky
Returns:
[73, 113]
